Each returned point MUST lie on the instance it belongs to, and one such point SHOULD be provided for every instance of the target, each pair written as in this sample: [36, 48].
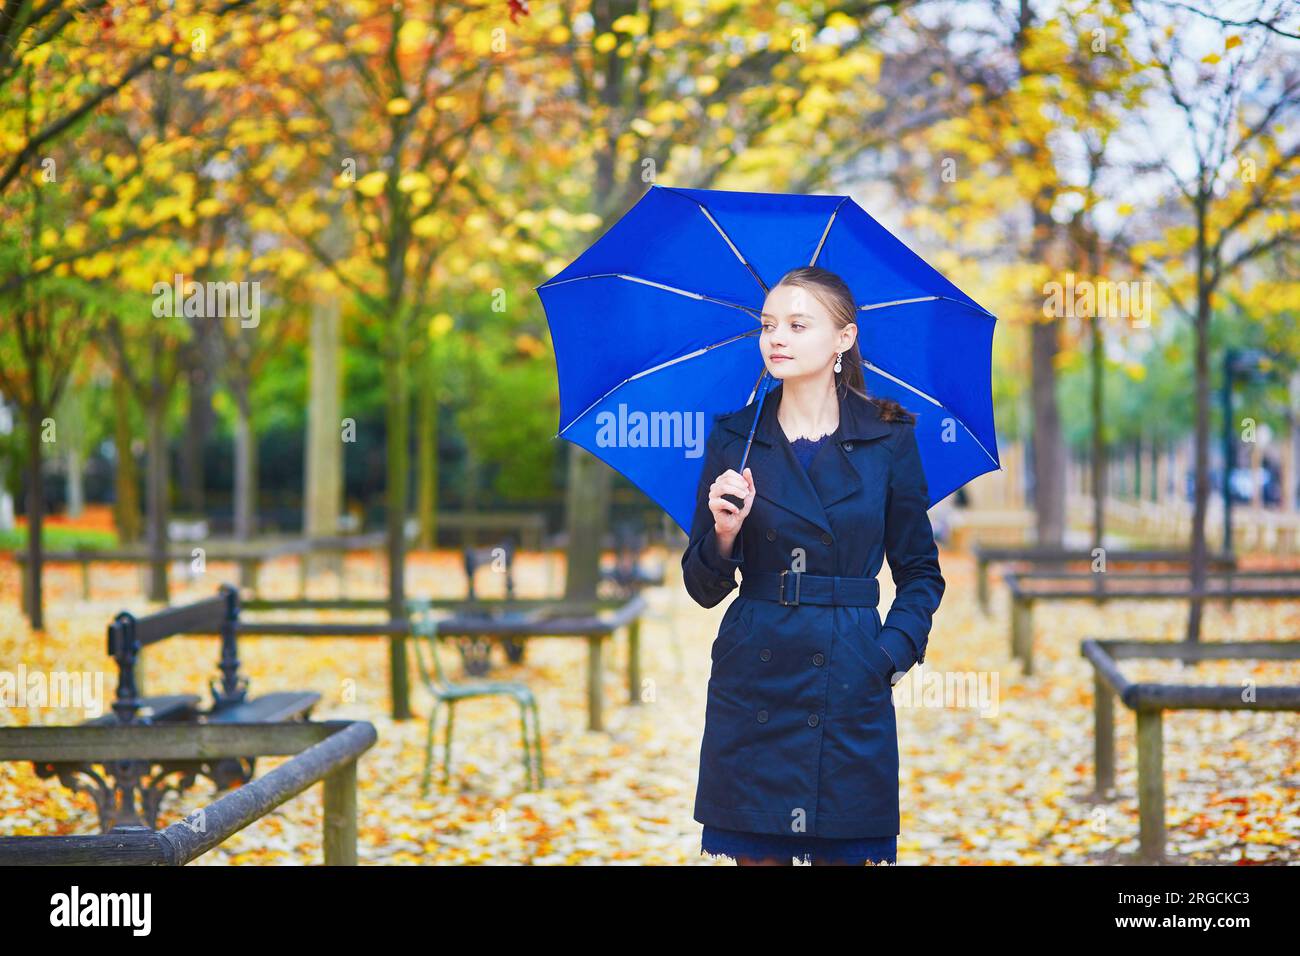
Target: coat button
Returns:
[771, 534]
[819, 658]
[848, 446]
[826, 537]
[813, 720]
[765, 654]
[723, 582]
[762, 716]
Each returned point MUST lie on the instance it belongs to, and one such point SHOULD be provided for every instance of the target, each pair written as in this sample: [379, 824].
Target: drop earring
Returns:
[837, 362]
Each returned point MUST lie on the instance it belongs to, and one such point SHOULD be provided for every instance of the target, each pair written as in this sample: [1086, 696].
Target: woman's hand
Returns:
[727, 518]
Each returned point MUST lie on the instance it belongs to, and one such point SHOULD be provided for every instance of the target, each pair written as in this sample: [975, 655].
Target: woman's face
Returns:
[797, 326]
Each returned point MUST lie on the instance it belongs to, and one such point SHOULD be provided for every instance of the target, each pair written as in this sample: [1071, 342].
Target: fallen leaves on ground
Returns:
[1002, 778]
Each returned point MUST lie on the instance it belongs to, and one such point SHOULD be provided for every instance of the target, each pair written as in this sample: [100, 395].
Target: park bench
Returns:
[250, 556]
[1055, 559]
[476, 650]
[539, 618]
[1011, 526]
[186, 532]
[528, 527]
[1149, 701]
[389, 627]
[518, 618]
[1112, 586]
[627, 576]
[117, 790]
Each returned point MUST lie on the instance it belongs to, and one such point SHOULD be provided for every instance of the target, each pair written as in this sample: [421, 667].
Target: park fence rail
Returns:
[323, 752]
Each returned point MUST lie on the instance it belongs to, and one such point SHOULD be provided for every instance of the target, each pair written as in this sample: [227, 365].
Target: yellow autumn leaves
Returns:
[373, 184]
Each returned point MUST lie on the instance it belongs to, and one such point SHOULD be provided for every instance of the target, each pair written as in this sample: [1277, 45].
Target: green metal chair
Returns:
[424, 627]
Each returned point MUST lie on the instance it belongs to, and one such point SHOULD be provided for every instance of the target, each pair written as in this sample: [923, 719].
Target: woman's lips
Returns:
[781, 358]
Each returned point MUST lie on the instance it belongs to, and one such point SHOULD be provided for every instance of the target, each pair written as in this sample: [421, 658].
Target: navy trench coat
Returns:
[800, 735]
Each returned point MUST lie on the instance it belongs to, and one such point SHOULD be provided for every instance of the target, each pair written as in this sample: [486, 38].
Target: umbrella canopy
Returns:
[655, 329]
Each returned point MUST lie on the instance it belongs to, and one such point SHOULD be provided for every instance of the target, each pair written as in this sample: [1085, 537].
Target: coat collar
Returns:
[859, 420]
[831, 477]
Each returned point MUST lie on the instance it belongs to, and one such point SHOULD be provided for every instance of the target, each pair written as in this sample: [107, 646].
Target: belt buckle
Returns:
[797, 579]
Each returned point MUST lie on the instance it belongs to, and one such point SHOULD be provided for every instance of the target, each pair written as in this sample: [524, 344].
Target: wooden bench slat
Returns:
[164, 707]
[206, 616]
[269, 708]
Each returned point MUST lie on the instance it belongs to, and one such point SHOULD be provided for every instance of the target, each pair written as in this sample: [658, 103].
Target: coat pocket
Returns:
[864, 642]
[735, 630]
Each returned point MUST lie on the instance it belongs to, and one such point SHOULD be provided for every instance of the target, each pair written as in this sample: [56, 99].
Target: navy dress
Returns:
[853, 850]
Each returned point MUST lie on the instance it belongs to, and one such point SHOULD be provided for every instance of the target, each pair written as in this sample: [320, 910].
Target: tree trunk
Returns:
[126, 507]
[199, 424]
[1048, 444]
[1202, 466]
[1138, 476]
[1289, 470]
[323, 496]
[35, 521]
[469, 533]
[428, 453]
[1098, 434]
[156, 502]
[398, 464]
[398, 470]
[587, 517]
[75, 463]
[1049, 448]
[245, 468]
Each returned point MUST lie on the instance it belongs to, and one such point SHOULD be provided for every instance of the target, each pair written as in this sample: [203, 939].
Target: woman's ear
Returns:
[848, 335]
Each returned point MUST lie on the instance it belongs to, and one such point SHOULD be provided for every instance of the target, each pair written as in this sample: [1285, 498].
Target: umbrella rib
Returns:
[723, 233]
[934, 401]
[655, 368]
[926, 298]
[658, 285]
[885, 305]
[827, 231]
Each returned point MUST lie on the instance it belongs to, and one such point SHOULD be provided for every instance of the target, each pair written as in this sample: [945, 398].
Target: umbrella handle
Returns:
[764, 384]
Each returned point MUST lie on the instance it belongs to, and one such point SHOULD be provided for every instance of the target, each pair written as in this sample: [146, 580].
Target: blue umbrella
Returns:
[655, 329]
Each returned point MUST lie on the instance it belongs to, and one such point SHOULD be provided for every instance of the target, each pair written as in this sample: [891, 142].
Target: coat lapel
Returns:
[831, 477]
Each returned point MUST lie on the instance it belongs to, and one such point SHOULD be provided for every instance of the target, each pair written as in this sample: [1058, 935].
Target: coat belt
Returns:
[799, 587]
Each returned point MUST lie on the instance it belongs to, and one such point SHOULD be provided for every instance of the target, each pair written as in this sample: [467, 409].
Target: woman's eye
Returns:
[797, 325]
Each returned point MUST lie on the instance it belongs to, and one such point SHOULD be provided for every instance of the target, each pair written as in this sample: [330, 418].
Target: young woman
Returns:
[800, 750]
